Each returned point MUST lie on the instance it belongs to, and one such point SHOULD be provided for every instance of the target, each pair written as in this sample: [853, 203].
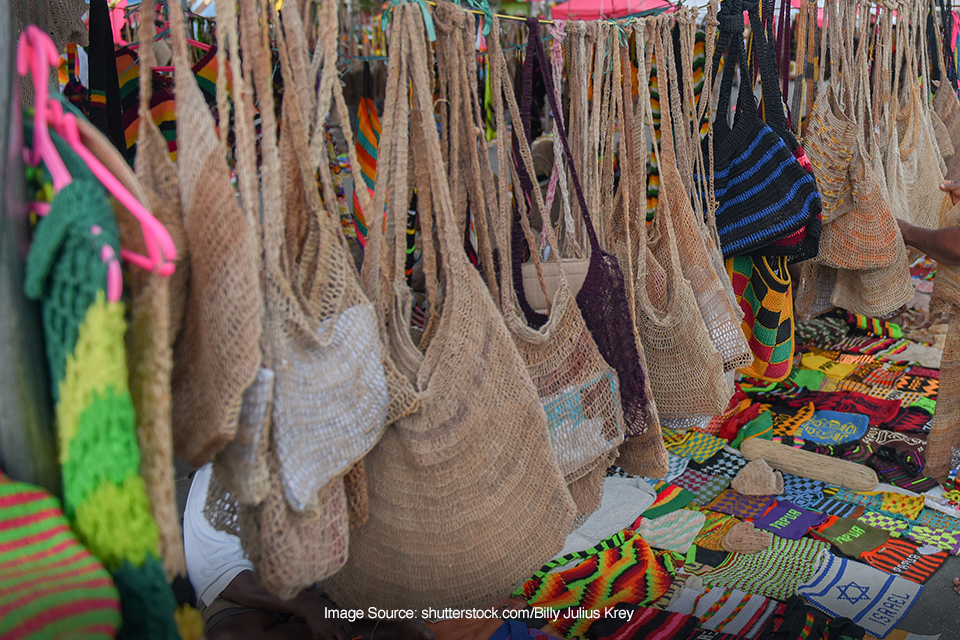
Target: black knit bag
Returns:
[763, 193]
[602, 298]
[805, 243]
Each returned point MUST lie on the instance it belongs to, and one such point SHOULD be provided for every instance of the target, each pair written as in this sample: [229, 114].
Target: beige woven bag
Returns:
[699, 254]
[578, 390]
[685, 368]
[945, 429]
[470, 478]
[291, 548]
[217, 353]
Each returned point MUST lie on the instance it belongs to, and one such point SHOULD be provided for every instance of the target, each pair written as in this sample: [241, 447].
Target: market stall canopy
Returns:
[598, 9]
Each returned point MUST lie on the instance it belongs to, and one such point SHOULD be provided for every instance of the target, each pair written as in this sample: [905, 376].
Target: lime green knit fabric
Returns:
[104, 494]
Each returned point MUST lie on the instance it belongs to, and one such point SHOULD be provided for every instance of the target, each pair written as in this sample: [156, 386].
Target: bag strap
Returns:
[731, 23]
[534, 41]
[522, 163]
[766, 58]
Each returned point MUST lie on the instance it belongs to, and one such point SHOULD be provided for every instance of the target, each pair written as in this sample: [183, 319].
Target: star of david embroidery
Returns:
[855, 598]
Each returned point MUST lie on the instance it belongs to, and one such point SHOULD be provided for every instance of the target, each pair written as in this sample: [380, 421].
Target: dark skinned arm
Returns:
[943, 245]
[246, 590]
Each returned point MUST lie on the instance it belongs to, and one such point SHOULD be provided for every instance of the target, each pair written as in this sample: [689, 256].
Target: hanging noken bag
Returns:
[686, 370]
[466, 497]
[763, 193]
[217, 354]
[700, 259]
[803, 244]
[602, 298]
[578, 389]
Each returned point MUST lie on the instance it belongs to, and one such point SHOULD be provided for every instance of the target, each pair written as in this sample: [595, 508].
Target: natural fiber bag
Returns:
[217, 354]
[471, 475]
[602, 299]
[763, 289]
[696, 249]
[686, 370]
[578, 389]
[745, 538]
[763, 193]
[947, 106]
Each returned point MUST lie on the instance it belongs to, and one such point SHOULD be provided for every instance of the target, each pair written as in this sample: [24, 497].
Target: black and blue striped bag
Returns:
[763, 193]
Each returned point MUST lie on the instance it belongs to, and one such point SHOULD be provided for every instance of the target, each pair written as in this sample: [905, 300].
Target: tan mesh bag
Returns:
[290, 548]
[699, 255]
[685, 368]
[945, 429]
[216, 355]
[947, 106]
[918, 149]
[577, 388]
[946, 285]
[471, 477]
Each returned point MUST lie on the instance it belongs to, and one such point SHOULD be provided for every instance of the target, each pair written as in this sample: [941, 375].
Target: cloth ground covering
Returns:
[715, 527]
[644, 622]
[623, 500]
[723, 463]
[622, 573]
[705, 486]
[669, 498]
[734, 503]
[875, 600]
[801, 491]
[775, 572]
[50, 585]
[695, 445]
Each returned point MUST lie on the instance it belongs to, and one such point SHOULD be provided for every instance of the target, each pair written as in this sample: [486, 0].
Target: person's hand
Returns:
[953, 188]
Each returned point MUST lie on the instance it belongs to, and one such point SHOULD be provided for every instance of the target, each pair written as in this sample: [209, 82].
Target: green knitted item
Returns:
[104, 494]
[146, 601]
[50, 586]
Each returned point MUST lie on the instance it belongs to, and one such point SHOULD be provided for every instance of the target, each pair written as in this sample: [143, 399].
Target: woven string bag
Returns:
[577, 388]
[918, 150]
[945, 428]
[217, 354]
[763, 193]
[149, 333]
[860, 232]
[696, 250]
[471, 476]
[602, 299]
[686, 369]
[291, 544]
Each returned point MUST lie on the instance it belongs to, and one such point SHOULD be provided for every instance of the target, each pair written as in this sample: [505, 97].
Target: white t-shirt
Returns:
[214, 557]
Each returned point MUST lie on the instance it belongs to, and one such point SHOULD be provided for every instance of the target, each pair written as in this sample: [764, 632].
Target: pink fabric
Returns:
[598, 9]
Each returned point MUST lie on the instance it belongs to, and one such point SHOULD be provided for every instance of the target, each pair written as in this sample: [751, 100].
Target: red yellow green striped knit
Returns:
[50, 585]
[627, 573]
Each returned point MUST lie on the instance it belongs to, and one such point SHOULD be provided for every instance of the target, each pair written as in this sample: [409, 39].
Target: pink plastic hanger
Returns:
[36, 53]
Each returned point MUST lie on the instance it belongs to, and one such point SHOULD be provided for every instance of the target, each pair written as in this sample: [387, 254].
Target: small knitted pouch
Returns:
[736, 504]
[758, 479]
[801, 491]
[745, 538]
[723, 463]
[763, 291]
[884, 521]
